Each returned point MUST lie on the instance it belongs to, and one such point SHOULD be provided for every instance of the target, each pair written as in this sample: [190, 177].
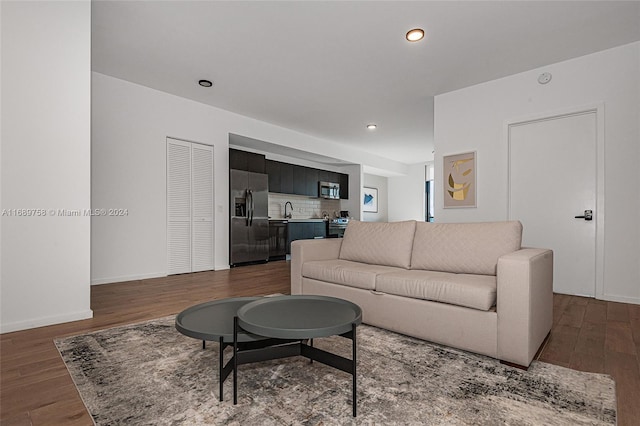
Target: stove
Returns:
[337, 226]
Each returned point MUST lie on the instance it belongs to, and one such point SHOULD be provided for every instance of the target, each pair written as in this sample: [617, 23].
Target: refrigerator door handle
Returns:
[247, 206]
[252, 209]
[250, 203]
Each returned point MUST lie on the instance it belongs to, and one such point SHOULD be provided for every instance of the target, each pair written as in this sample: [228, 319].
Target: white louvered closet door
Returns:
[178, 206]
[189, 207]
[202, 203]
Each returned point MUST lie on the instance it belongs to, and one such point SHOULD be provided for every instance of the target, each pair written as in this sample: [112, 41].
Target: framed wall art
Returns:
[370, 200]
[459, 180]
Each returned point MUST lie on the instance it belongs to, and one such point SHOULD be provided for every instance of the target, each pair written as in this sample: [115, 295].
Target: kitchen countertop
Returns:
[298, 220]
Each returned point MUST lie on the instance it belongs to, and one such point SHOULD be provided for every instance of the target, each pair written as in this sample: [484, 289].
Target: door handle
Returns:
[588, 215]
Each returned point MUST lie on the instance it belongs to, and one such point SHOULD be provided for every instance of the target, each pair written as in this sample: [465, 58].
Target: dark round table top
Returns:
[212, 320]
[299, 316]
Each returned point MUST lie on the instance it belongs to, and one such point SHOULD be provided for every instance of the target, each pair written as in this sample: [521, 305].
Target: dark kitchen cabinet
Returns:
[247, 161]
[311, 181]
[299, 180]
[285, 178]
[334, 177]
[278, 241]
[343, 180]
[256, 163]
[275, 176]
[325, 176]
[319, 230]
[280, 177]
[305, 231]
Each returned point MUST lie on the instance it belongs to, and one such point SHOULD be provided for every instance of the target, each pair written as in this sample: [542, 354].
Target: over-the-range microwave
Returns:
[329, 190]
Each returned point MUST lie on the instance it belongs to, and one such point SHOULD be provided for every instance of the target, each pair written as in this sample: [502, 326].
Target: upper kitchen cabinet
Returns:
[311, 181]
[299, 180]
[275, 176]
[280, 177]
[247, 161]
[285, 178]
[324, 176]
[343, 180]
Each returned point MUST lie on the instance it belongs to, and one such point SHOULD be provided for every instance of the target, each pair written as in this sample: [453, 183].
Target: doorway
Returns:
[555, 190]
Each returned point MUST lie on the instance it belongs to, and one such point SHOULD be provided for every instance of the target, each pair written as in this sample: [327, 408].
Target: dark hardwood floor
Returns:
[35, 387]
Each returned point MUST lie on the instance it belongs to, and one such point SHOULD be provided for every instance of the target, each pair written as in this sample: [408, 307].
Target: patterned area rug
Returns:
[149, 374]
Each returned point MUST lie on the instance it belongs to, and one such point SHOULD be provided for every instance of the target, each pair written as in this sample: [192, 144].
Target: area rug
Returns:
[149, 374]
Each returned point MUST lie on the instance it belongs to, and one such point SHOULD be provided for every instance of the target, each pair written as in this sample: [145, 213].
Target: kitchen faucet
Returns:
[288, 216]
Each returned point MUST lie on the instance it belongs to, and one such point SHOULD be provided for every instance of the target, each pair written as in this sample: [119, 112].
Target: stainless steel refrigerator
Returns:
[249, 225]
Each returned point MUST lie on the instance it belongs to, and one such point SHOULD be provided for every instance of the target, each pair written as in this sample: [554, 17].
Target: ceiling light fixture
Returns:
[415, 34]
[205, 83]
[372, 126]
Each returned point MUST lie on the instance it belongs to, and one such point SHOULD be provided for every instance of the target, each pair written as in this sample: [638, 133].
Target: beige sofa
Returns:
[466, 285]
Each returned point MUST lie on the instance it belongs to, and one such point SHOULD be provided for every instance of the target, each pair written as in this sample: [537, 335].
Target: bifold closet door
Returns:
[202, 203]
[189, 207]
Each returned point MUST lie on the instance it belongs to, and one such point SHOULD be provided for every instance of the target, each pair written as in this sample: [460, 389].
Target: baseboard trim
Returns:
[622, 299]
[123, 278]
[44, 321]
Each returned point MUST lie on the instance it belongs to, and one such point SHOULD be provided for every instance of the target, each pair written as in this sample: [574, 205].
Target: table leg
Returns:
[311, 344]
[235, 360]
[221, 367]
[204, 344]
[353, 344]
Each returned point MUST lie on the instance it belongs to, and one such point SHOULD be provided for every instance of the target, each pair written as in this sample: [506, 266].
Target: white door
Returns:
[178, 206]
[552, 179]
[202, 202]
[189, 207]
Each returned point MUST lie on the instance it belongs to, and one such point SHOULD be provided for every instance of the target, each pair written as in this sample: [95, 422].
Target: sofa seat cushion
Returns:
[464, 248]
[345, 272]
[379, 243]
[471, 291]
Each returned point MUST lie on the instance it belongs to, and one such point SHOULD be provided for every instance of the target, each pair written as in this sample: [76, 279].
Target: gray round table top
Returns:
[299, 316]
[212, 320]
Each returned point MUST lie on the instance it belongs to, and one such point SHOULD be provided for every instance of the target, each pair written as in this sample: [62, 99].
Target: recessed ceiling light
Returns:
[415, 34]
[372, 126]
[205, 83]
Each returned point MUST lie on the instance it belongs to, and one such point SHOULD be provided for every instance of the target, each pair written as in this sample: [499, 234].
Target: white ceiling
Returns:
[329, 68]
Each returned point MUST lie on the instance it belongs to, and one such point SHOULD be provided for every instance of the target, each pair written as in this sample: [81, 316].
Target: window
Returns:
[428, 193]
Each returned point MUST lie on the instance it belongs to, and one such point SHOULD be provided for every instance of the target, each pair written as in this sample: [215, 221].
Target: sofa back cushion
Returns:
[464, 248]
[379, 243]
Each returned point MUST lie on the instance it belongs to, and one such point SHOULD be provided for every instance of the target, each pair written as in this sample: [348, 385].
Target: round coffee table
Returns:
[300, 318]
[213, 321]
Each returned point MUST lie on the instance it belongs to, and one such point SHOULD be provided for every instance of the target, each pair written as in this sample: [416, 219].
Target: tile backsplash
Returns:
[303, 207]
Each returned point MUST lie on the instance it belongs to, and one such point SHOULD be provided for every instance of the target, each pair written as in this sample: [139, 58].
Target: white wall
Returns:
[406, 195]
[353, 204]
[474, 119]
[46, 101]
[379, 182]
[130, 124]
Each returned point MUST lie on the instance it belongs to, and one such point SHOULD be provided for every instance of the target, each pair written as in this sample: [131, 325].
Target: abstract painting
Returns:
[370, 200]
[459, 180]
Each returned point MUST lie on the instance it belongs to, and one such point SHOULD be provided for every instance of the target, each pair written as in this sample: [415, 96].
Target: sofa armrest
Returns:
[306, 250]
[524, 303]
